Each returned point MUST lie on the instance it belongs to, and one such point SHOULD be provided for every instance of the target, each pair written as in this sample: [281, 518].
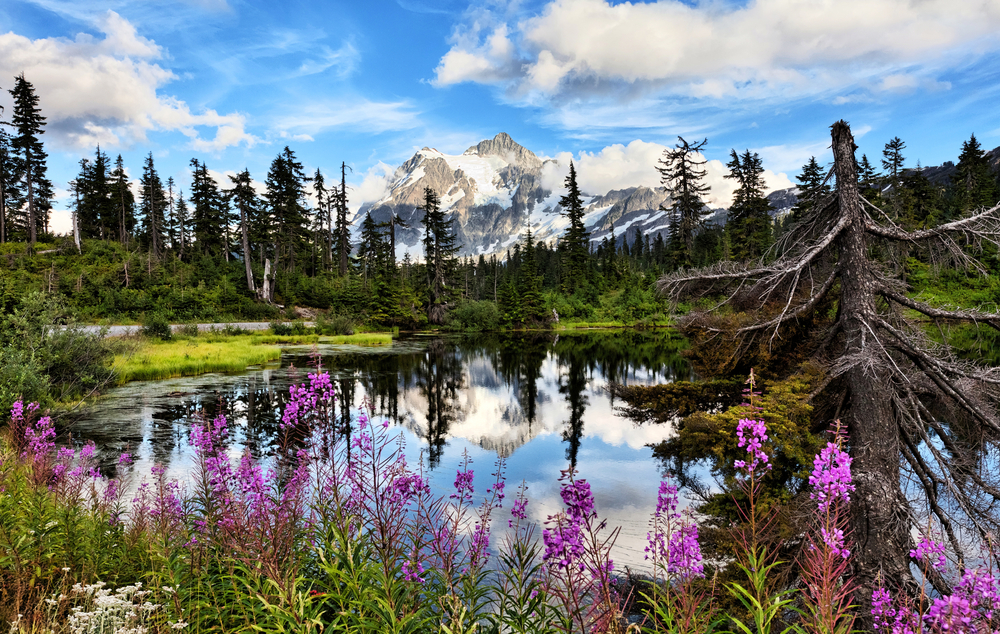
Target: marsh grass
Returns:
[149, 360]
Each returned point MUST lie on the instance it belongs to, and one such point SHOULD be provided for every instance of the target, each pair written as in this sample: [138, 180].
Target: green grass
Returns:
[360, 339]
[190, 356]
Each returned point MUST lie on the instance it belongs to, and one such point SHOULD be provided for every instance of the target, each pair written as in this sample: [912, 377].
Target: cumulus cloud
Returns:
[764, 48]
[374, 185]
[634, 165]
[108, 90]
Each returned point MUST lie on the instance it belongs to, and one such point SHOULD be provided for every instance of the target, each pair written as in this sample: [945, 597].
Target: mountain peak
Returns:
[506, 148]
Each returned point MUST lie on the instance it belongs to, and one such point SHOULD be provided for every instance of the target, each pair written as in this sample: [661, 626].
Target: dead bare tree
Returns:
[923, 423]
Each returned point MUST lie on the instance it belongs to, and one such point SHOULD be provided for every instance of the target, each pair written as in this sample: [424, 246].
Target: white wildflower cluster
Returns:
[122, 611]
[98, 609]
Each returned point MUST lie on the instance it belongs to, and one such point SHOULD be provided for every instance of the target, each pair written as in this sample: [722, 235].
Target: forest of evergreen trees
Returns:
[292, 245]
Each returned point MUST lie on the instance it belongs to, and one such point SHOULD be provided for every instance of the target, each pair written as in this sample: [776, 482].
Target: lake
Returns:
[536, 400]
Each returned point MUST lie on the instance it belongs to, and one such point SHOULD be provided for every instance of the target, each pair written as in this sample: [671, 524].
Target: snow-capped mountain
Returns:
[495, 188]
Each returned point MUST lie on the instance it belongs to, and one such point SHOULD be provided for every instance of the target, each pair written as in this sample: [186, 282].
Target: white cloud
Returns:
[344, 60]
[359, 114]
[761, 49]
[107, 90]
[374, 186]
[633, 165]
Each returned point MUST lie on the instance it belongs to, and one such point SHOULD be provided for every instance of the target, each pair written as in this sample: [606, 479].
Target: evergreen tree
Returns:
[529, 284]
[892, 162]
[343, 229]
[683, 174]
[209, 213]
[171, 219]
[575, 242]
[812, 186]
[10, 195]
[373, 249]
[183, 225]
[286, 197]
[323, 219]
[30, 158]
[749, 223]
[245, 200]
[974, 185]
[867, 178]
[154, 202]
[122, 201]
[439, 251]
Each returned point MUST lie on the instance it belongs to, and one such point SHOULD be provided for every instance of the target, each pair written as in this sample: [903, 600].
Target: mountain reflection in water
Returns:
[537, 400]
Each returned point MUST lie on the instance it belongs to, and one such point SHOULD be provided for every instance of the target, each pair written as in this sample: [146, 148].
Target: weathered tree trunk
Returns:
[879, 522]
[32, 229]
[267, 288]
[246, 249]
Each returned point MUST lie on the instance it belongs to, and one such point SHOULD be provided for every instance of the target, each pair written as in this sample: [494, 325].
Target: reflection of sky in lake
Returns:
[538, 401]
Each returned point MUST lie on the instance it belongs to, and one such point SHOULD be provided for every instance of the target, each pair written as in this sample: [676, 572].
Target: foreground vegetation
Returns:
[336, 532]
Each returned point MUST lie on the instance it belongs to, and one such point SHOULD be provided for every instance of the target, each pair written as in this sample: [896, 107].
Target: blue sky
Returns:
[609, 84]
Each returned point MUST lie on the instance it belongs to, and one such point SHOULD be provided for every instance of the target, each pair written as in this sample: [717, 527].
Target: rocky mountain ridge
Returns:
[494, 189]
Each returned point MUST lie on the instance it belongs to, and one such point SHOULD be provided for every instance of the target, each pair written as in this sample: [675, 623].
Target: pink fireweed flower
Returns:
[519, 510]
[412, 573]
[463, 484]
[752, 434]
[930, 549]
[834, 539]
[564, 539]
[673, 541]
[40, 438]
[882, 611]
[951, 614]
[831, 477]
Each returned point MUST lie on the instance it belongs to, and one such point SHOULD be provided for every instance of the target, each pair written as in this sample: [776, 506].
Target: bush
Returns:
[156, 325]
[481, 316]
[47, 358]
[334, 325]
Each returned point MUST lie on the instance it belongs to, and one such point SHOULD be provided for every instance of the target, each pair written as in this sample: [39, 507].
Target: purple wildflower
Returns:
[831, 477]
[463, 484]
[754, 443]
[928, 548]
[412, 573]
[882, 611]
[952, 614]
[40, 438]
[672, 541]
[564, 540]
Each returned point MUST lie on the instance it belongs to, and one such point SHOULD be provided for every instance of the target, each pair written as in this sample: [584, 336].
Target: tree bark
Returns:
[879, 519]
[246, 248]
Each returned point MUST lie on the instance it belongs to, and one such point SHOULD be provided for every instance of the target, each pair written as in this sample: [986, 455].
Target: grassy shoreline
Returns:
[191, 356]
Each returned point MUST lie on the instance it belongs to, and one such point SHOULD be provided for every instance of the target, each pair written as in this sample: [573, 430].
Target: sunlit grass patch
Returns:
[360, 339]
[190, 357]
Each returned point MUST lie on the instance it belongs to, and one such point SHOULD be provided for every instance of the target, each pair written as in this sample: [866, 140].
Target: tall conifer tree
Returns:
[576, 240]
[245, 200]
[30, 157]
[683, 174]
[154, 202]
[812, 186]
[9, 192]
[975, 186]
[123, 201]
[439, 250]
[286, 197]
[749, 223]
[343, 227]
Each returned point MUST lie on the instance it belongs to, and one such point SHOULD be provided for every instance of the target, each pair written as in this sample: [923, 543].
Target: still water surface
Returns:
[539, 401]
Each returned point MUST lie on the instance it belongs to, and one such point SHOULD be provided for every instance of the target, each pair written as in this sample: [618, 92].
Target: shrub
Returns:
[156, 325]
[474, 316]
[334, 325]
